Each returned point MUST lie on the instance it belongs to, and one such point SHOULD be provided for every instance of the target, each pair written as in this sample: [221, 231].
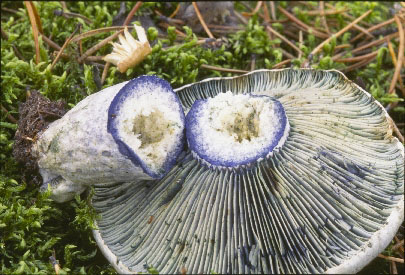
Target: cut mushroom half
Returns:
[327, 201]
[128, 132]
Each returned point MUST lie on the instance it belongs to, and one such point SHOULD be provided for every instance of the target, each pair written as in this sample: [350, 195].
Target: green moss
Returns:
[31, 225]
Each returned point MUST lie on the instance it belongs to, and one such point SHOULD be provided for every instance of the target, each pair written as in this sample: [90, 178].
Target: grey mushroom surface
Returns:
[328, 199]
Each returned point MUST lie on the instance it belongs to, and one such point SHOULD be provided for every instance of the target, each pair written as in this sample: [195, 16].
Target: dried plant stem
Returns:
[98, 31]
[397, 245]
[105, 71]
[287, 54]
[394, 61]
[373, 28]
[396, 130]
[175, 11]
[9, 116]
[35, 27]
[214, 68]
[273, 10]
[339, 33]
[394, 268]
[206, 29]
[300, 40]
[281, 64]
[358, 65]
[398, 260]
[98, 46]
[50, 42]
[303, 25]
[64, 46]
[284, 39]
[322, 12]
[323, 17]
[400, 55]
[376, 42]
[256, 9]
[357, 58]
[132, 12]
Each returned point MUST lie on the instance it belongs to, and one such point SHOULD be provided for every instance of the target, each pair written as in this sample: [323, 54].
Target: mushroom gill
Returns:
[328, 200]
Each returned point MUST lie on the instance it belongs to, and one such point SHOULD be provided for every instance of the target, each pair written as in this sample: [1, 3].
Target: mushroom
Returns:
[323, 193]
[130, 52]
[128, 132]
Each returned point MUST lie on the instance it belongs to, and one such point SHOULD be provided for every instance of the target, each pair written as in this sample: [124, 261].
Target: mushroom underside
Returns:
[316, 205]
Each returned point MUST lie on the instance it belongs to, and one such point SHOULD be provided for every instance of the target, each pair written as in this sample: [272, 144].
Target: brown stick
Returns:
[105, 71]
[273, 10]
[50, 42]
[327, 12]
[281, 64]
[324, 22]
[394, 268]
[175, 11]
[206, 29]
[339, 33]
[98, 46]
[358, 65]
[373, 28]
[132, 12]
[64, 46]
[284, 39]
[257, 8]
[395, 128]
[398, 260]
[9, 116]
[376, 43]
[214, 68]
[394, 61]
[35, 28]
[397, 245]
[302, 24]
[357, 58]
[287, 54]
[97, 31]
[400, 54]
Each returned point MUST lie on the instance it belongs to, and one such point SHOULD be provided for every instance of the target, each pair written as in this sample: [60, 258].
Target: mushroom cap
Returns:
[328, 201]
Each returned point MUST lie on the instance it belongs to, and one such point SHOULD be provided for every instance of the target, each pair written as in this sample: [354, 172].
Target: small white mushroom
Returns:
[130, 52]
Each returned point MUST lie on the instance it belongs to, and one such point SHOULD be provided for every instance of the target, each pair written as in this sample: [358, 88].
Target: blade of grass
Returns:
[323, 16]
[398, 260]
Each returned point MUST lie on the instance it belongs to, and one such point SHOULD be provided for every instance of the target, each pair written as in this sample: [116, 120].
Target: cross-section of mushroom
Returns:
[315, 183]
[130, 131]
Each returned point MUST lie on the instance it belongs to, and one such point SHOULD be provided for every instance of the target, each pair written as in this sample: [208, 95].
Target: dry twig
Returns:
[215, 68]
[400, 54]
[98, 46]
[339, 33]
[36, 26]
[64, 46]
[323, 16]
[398, 260]
[281, 64]
[105, 71]
[303, 25]
[9, 116]
[206, 29]
[132, 12]
[284, 39]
